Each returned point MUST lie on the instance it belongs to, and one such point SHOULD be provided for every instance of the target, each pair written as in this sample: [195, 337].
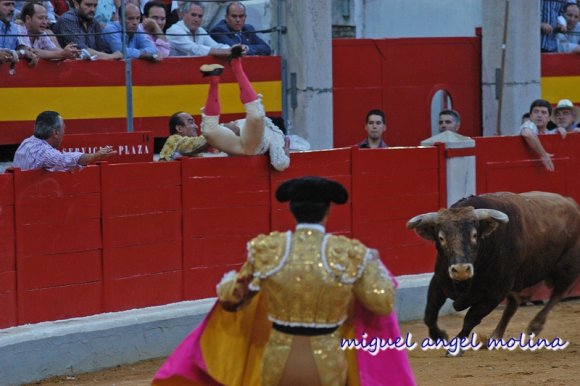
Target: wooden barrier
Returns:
[118, 236]
[130, 147]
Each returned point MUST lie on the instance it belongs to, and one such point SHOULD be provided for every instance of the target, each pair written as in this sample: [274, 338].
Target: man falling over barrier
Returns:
[258, 134]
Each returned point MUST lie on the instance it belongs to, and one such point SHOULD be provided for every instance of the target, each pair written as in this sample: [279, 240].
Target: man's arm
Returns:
[533, 141]
[103, 153]
[220, 34]
[257, 46]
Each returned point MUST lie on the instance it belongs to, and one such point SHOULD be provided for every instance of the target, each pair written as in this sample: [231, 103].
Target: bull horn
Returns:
[422, 219]
[484, 214]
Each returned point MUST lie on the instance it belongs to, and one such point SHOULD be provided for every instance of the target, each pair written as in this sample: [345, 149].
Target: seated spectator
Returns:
[449, 120]
[569, 39]
[375, 127]
[565, 115]
[540, 111]
[233, 30]
[35, 24]
[10, 49]
[47, 4]
[182, 140]
[80, 27]
[137, 45]
[153, 23]
[39, 150]
[188, 38]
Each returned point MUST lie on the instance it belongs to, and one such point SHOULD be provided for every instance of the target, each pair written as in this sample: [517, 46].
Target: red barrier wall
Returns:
[508, 164]
[7, 253]
[130, 147]
[400, 76]
[58, 244]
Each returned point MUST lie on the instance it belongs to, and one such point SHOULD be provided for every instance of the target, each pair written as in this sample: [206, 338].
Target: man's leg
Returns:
[252, 134]
[215, 134]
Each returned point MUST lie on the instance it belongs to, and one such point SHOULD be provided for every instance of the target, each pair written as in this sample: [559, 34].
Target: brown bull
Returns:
[492, 246]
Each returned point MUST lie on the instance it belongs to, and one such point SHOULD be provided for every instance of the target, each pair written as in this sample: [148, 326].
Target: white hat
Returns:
[565, 104]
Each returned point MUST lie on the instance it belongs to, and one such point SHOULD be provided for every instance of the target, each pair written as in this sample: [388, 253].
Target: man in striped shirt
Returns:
[39, 150]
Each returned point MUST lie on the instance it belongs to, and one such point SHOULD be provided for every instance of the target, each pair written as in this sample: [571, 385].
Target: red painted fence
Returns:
[119, 236]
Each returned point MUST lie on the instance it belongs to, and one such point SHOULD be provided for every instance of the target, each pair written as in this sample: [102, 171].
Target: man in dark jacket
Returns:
[234, 30]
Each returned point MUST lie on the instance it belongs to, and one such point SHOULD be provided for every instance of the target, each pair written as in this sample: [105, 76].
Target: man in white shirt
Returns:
[188, 38]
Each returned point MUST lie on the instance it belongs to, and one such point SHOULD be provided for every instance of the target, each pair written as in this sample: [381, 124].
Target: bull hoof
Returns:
[451, 354]
[535, 328]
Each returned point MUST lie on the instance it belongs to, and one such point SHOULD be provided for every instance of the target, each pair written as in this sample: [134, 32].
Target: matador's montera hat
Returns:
[312, 189]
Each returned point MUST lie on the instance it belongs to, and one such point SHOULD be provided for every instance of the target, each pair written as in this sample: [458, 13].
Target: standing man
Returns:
[375, 127]
[301, 322]
[449, 120]
[39, 150]
[138, 46]
[540, 111]
[565, 116]
[79, 26]
[188, 38]
[234, 30]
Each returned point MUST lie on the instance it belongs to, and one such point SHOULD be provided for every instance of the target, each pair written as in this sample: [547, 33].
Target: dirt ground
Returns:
[432, 367]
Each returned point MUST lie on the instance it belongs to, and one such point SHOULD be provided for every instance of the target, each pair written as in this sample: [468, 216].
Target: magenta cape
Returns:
[226, 348]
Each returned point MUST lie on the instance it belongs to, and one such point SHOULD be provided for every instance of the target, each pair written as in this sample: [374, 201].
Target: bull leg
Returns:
[435, 300]
[475, 314]
[513, 301]
[537, 324]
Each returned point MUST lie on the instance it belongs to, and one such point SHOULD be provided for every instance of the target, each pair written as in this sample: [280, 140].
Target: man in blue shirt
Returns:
[233, 30]
[137, 44]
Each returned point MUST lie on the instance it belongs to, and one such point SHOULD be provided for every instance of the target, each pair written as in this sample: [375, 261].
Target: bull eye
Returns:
[474, 235]
[441, 238]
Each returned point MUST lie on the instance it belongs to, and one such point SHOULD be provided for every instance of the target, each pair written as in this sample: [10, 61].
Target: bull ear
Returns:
[489, 220]
[424, 225]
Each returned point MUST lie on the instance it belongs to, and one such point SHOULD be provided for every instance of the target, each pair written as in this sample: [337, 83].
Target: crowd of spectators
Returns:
[93, 30]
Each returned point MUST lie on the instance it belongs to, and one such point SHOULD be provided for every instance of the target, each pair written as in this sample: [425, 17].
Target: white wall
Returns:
[416, 18]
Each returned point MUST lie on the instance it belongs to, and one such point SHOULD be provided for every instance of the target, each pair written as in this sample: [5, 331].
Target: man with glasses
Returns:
[234, 30]
[565, 116]
[188, 38]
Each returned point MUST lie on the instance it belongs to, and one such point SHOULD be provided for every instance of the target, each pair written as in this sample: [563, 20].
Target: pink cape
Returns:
[217, 354]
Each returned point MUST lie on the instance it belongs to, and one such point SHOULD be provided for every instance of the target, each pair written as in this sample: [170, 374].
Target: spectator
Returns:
[153, 23]
[137, 45]
[39, 150]
[449, 120]
[188, 38]
[569, 39]
[10, 49]
[565, 116]
[80, 27]
[375, 128]
[35, 23]
[182, 140]
[106, 11]
[19, 5]
[258, 134]
[549, 12]
[234, 30]
[540, 111]
[525, 118]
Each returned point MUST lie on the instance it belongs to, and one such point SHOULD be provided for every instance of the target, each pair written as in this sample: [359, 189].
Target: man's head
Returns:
[86, 9]
[6, 10]
[571, 14]
[132, 17]
[565, 114]
[449, 120]
[236, 16]
[540, 111]
[34, 17]
[375, 124]
[50, 127]
[310, 197]
[192, 15]
[156, 10]
[183, 124]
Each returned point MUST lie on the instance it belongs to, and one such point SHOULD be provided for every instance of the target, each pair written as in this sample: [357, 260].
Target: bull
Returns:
[490, 247]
